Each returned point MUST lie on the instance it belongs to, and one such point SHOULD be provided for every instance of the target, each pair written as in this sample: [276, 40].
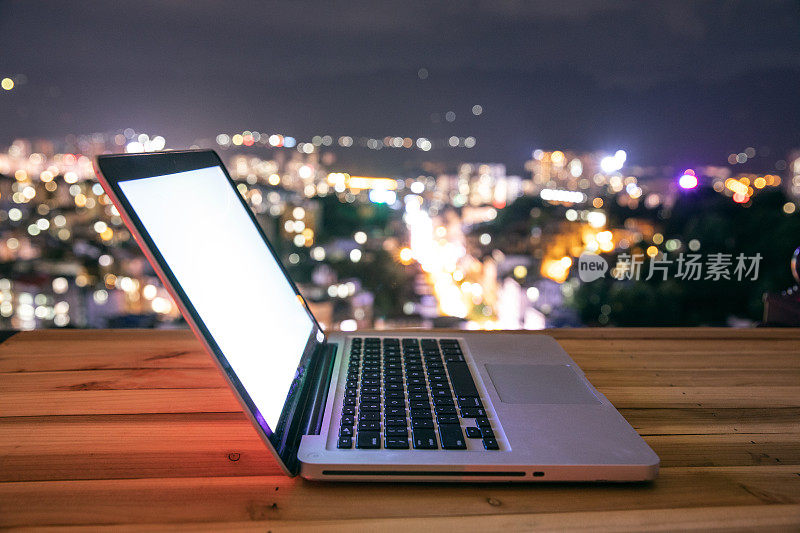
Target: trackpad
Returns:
[553, 384]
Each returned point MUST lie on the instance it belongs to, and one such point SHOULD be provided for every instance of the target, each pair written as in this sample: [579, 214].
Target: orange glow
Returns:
[737, 186]
[406, 256]
[556, 269]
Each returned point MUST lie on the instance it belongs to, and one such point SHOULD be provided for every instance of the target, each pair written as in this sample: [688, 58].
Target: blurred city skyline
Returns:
[678, 83]
[443, 165]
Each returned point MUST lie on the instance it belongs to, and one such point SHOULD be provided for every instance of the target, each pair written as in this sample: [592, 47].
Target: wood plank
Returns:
[671, 377]
[726, 450]
[119, 402]
[132, 401]
[85, 448]
[703, 421]
[136, 427]
[194, 378]
[131, 446]
[734, 397]
[31, 351]
[177, 500]
[775, 518]
[56, 350]
[685, 360]
[140, 378]
[654, 346]
[132, 435]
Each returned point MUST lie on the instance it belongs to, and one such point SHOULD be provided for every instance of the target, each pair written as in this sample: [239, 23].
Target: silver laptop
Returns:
[391, 406]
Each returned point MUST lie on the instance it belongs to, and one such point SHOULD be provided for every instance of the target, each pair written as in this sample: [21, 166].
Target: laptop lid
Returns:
[210, 252]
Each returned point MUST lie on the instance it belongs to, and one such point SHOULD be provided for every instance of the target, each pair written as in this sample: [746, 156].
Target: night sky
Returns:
[679, 82]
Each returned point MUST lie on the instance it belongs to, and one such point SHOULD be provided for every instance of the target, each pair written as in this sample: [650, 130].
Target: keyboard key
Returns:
[474, 433]
[421, 413]
[451, 436]
[396, 443]
[422, 423]
[348, 420]
[349, 401]
[395, 411]
[395, 394]
[420, 405]
[396, 431]
[424, 439]
[348, 410]
[444, 401]
[445, 410]
[369, 406]
[473, 412]
[442, 393]
[469, 401]
[483, 422]
[345, 442]
[346, 431]
[368, 439]
[487, 432]
[447, 419]
[369, 425]
[369, 415]
[395, 421]
[490, 444]
[395, 402]
[460, 377]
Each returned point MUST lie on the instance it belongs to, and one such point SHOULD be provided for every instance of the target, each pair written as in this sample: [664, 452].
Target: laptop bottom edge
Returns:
[486, 473]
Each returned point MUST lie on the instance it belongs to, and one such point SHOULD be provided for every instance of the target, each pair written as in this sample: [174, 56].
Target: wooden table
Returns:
[136, 429]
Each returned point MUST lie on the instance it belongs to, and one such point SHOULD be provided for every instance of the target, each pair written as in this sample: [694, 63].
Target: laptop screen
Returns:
[229, 275]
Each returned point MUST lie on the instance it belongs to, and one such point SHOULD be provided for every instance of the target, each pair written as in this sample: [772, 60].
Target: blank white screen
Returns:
[229, 275]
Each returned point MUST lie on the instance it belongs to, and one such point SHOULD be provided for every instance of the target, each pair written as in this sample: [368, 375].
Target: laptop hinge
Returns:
[318, 393]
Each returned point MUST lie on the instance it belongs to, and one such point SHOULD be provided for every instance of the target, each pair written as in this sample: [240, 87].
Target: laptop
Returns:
[378, 406]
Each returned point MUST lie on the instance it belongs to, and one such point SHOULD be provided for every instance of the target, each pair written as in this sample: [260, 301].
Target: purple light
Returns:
[688, 180]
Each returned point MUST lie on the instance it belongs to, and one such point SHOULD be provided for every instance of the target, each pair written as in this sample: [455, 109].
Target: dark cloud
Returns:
[577, 72]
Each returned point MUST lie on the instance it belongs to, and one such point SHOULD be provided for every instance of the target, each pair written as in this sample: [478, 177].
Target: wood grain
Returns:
[136, 430]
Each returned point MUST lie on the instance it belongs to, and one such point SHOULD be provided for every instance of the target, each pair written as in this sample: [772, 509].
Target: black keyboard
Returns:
[398, 389]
